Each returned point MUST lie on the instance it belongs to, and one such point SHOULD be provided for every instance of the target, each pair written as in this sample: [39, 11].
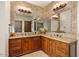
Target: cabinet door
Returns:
[47, 45]
[51, 47]
[30, 45]
[15, 47]
[44, 44]
[25, 45]
[61, 49]
[36, 43]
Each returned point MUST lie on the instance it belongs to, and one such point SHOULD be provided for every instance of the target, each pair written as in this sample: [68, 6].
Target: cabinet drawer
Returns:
[61, 45]
[15, 43]
[60, 53]
[61, 49]
[14, 52]
[15, 48]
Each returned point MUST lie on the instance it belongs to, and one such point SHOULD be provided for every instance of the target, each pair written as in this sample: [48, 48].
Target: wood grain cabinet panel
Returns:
[30, 44]
[52, 48]
[44, 44]
[15, 47]
[25, 45]
[36, 43]
[61, 49]
[48, 46]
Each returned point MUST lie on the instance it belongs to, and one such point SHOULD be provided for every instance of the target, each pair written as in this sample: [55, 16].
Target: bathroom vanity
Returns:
[54, 47]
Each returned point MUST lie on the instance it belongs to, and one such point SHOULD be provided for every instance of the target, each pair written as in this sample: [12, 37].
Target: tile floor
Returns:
[36, 54]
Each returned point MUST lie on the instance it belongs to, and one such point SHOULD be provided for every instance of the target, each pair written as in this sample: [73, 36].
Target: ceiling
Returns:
[39, 3]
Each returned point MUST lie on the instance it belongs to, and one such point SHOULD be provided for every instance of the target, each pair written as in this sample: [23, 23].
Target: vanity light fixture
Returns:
[27, 10]
[59, 6]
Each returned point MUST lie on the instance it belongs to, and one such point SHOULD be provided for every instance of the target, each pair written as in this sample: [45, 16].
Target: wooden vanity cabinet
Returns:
[48, 46]
[20, 46]
[30, 44]
[63, 49]
[52, 47]
[15, 47]
[57, 48]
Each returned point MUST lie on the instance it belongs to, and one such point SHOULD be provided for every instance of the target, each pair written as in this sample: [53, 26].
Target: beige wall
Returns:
[4, 27]
[78, 28]
[74, 19]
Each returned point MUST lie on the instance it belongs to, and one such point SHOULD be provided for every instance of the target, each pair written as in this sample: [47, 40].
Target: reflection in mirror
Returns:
[27, 26]
[22, 26]
[39, 25]
[44, 24]
[61, 22]
[18, 26]
[56, 20]
[65, 21]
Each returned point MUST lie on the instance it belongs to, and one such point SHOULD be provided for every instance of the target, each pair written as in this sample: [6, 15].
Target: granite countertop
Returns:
[66, 40]
[13, 37]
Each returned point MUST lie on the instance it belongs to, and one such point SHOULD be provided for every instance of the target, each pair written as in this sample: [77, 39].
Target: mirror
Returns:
[25, 22]
[29, 23]
[65, 21]
[61, 22]
[42, 24]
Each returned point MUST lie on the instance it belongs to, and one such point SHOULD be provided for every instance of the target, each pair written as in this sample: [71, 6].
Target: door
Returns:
[51, 47]
[27, 26]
